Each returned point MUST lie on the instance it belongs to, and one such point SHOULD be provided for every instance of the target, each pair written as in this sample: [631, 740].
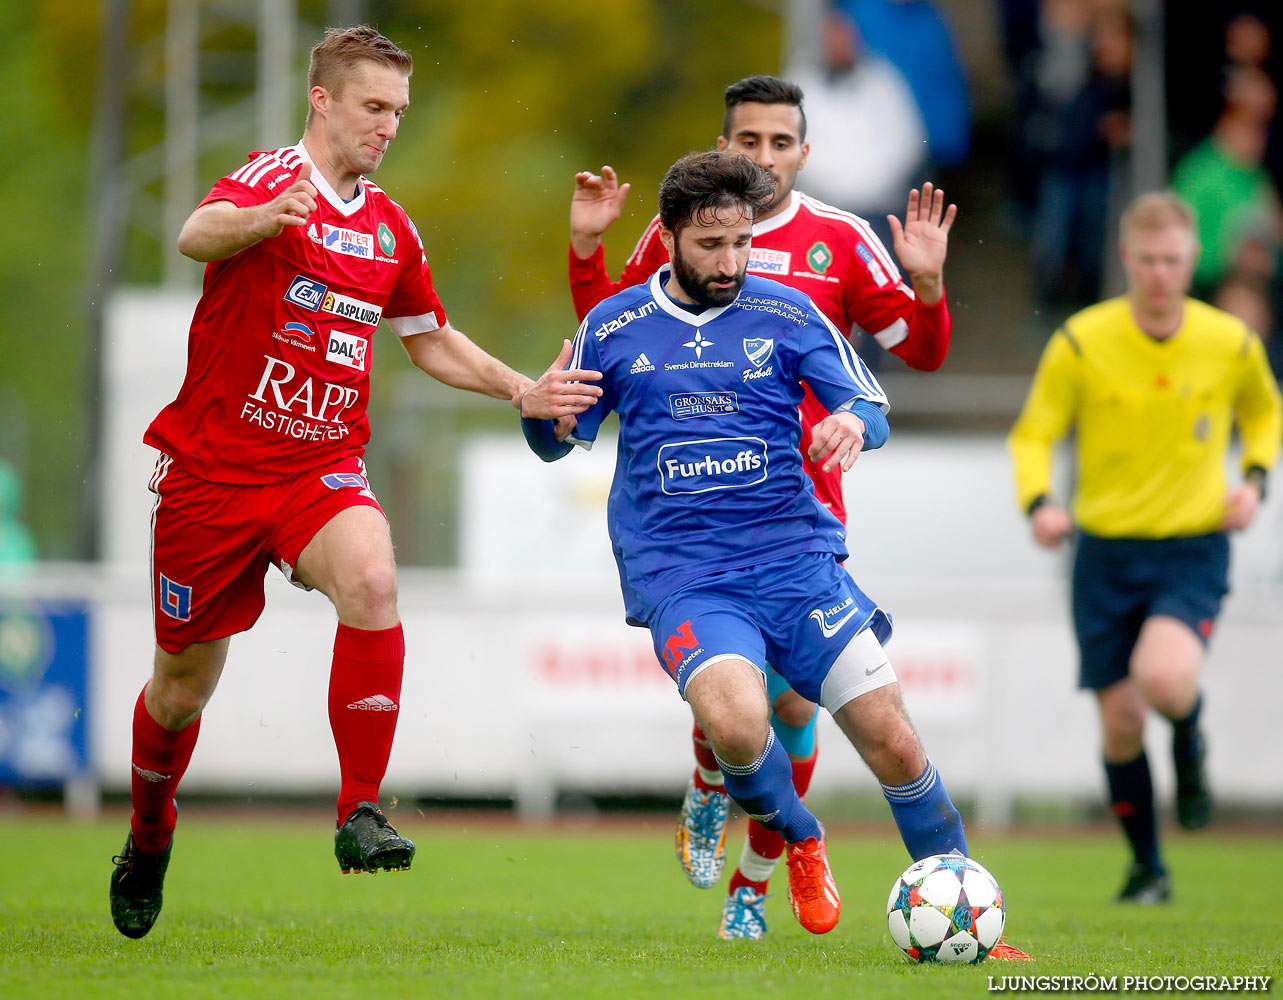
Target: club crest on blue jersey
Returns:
[175, 599]
[758, 350]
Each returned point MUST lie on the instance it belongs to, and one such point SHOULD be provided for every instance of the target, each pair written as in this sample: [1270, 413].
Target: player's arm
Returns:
[845, 434]
[451, 357]
[916, 326]
[844, 385]
[596, 204]
[922, 242]
[221, 229]
[1259, 413]
[552, 439]
[1046, 417]
[921, 245]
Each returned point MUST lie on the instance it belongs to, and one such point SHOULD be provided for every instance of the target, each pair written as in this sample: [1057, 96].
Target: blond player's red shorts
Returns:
[212, 543]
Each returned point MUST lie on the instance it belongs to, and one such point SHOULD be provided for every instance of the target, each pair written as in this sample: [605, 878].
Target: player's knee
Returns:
[175, 705]
[367, 590]
[794, 710]
[1166, 690]
[736, 739]
[893, 752]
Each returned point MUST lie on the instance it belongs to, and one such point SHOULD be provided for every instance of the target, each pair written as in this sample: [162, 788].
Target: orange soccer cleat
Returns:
[812, 891]
[1008, 953]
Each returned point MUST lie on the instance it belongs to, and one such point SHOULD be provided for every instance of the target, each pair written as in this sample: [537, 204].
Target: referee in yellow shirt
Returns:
[1152, 382]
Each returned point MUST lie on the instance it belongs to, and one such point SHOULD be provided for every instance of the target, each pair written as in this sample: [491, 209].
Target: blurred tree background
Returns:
[509, 99]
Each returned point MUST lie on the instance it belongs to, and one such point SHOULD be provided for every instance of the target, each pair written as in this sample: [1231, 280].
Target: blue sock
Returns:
[929, 823]
[1131, 800]
[764, 789]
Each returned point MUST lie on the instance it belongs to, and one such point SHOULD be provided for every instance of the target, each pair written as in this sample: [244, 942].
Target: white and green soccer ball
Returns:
[946, 908]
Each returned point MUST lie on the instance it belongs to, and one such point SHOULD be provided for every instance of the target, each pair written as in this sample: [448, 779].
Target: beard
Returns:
[700, 287]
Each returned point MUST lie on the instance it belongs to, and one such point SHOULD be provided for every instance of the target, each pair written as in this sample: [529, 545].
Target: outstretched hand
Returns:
[292, 206]
[922, 242]
[560, 391]
[597, 202]
[840, 436]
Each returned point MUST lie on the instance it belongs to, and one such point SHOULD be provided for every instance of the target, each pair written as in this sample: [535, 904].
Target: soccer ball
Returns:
[946, 908]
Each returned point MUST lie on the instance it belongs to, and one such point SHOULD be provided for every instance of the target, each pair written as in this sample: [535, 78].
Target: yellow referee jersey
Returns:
[1153, 419]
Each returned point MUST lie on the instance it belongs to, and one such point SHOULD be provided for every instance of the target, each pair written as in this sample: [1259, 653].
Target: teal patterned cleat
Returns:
[701, 835]
[743, 916]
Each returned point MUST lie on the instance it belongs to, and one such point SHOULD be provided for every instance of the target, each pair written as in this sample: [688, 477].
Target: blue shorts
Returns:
[1120, 582]
[797, 614]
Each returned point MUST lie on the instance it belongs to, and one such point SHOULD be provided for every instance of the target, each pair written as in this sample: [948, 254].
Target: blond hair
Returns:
[335, 55]
[1157, 210]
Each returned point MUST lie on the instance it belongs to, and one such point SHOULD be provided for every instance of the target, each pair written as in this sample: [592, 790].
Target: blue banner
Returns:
[44, 692]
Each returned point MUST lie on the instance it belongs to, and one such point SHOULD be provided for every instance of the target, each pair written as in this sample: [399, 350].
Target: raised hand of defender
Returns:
[560, 391]
[922, 242]
[292, 206]
[840, 436]
[594, 207]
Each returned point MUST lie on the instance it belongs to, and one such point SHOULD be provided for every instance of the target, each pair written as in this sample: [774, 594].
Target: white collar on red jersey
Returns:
[325, 190]
[783, 219]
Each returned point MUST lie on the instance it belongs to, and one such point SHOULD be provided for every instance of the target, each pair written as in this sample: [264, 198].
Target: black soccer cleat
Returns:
[137, 888]
[1146, 886]
[1193, 798]
[367, 842]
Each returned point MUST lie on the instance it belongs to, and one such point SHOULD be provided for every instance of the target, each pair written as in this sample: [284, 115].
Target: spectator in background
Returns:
[915, 37]
[853, 96]
[17, 548]
[1078, 129]
[1224, 179]
[1248, 298]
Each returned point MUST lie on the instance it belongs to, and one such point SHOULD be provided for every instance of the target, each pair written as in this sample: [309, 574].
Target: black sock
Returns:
[1187, 739]
[1131, 799]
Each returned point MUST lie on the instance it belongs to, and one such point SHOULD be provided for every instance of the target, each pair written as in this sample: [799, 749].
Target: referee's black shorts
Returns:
[1119, 582]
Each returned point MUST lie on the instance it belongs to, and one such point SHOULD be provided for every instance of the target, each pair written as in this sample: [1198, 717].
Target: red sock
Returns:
[802, 771]
[768, 844]
[705, 763]
[365, 695]
[159, 761]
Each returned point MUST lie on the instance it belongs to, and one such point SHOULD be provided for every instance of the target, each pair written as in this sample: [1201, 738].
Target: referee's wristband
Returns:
[1258, 475]
[1035, 503]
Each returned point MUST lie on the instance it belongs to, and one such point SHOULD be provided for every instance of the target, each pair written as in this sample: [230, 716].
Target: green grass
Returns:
[255, 907]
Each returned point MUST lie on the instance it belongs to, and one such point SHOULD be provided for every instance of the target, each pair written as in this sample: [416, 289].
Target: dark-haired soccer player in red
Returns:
[261, 453]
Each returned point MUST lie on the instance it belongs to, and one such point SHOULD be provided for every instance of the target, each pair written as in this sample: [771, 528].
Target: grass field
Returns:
[255, 907]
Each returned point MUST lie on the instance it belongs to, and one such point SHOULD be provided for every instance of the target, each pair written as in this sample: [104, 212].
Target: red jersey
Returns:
[836, 259]
[278, 357]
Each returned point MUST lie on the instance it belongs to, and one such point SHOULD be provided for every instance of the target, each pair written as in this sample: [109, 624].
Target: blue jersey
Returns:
[708, 475]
